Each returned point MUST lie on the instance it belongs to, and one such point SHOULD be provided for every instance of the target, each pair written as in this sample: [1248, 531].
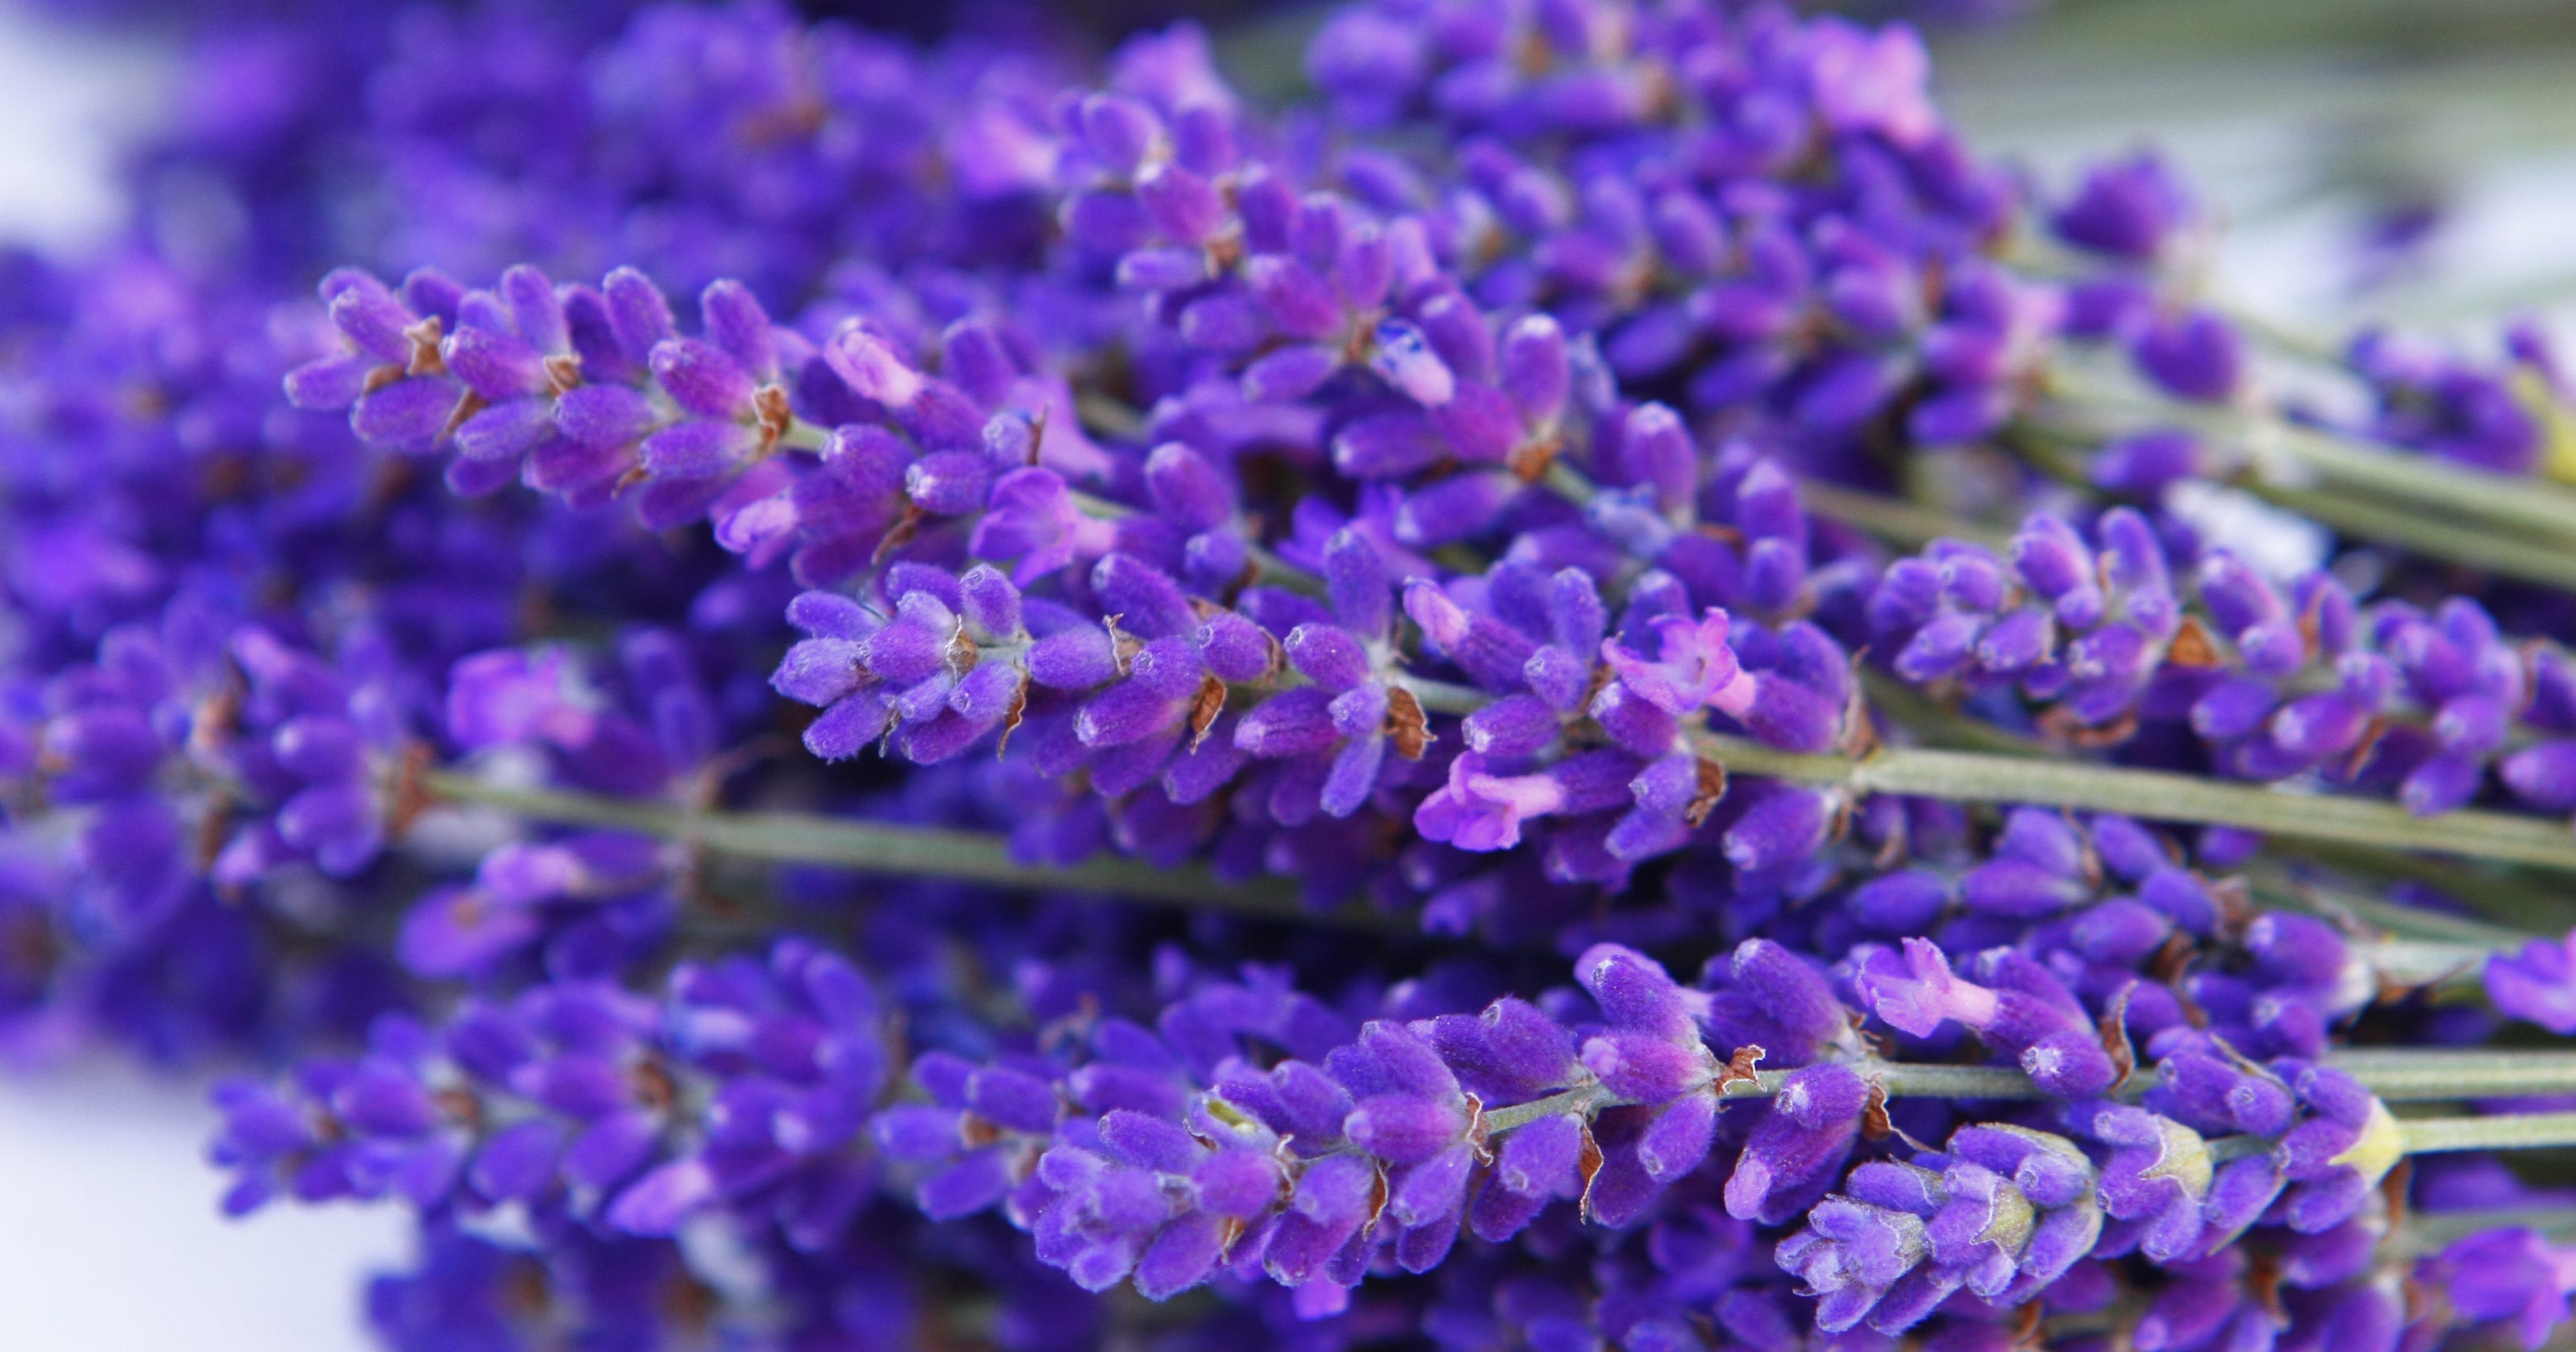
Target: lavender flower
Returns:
[2538, 983]
[2508, 1274]
[2023, 1010]
[2004, 1211]
[1403, 497]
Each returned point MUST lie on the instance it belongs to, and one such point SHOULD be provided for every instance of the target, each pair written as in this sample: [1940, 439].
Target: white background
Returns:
[109, 1236]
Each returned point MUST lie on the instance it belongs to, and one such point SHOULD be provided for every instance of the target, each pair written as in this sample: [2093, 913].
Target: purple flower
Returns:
[2004, 1213]
[1694, 667]
[509, 697]
[2509, 1274]
[391, 376]
[2130, 208]
[1480, 811]
[2025, 1012]
[1872, 81]
[2538, 983]
[1101, 421]
[1798, 1150]
[2159, 1173]
[1034, 521]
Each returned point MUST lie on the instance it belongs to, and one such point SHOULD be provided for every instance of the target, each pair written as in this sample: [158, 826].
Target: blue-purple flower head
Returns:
[1404, 498]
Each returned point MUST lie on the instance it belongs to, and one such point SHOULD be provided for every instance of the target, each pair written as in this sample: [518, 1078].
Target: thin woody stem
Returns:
[2491, 551]
[2394, 1075]
[2504, 1131]
[2079, 786]
[2397, 1075]
[1584, 1100]
[1970, 777]
[2427, 1230]
[1975, 777]
[1893, 519]
[887, 848]
[2282, 454]
[2075, 786]
[2277, 886]
[971, 856]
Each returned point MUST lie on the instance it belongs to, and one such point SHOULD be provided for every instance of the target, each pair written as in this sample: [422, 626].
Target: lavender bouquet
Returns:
[834, 694]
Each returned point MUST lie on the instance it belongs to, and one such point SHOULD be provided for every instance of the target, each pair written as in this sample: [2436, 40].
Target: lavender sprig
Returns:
[1450, 507]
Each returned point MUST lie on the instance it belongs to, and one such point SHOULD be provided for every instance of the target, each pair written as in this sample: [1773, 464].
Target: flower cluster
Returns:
[1171, 1156]
[2002, 1211]
[2126, 641]
[662, 785]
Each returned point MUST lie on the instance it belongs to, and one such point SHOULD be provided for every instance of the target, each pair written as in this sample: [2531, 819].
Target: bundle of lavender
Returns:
[1355, 718]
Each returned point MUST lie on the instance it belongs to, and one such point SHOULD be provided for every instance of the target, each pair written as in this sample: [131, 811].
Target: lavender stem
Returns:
[1969, 777]
[2401, 1076]
[2512, 1131]
[879, 847]
[2520, 503]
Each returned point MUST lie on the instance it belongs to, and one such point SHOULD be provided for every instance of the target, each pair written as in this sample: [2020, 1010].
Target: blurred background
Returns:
[2409, 162]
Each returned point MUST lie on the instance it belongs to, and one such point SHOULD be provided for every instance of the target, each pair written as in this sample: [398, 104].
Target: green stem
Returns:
[2290, 342]
[2535, 911]
[2079, 786]
[1893, 519]
[2225, 1148]
[2397, 1075]
[2015, 778]
[2511, 1131]
[934, 852]
[2070, 785]
[2381, 494]
[1890, 519]
[969, 856]
[1443, 697]
[804, 436]
[2501, 894]
[2406, 1074]
[1584, 1100]
[2428, 1230]
[2035, 251]
[1568, 483]
[2531, 506]
[2485, 550]
[1929, 720]
[2277, 886]
[1969, 777]
[881, 847]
